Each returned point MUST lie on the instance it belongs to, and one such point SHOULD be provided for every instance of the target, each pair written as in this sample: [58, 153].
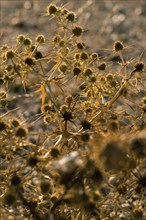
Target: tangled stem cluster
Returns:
[81, 155]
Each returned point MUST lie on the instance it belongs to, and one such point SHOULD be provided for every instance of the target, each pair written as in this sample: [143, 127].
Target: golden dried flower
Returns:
[29, 61]
[27, 42]
[38, 55]
[88, 72]
[77, 31]
[102, 66]
[20, 38]
[139, 66]
[71, 16]
[57, 39]
[45, 108]
[52, 9]
[69, 99]
[10, 54]
[84, 56]
[54, 152]
[63, 68]
[118, 46]
[76, 71]
[40, 39]
[21, 132]
[63, 108]
[81, 45]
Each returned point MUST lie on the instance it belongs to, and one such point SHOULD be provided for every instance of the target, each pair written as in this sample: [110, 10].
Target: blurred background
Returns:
[104, 21]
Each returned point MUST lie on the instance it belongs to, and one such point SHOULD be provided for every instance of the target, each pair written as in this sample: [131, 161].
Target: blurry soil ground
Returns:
[104, 21]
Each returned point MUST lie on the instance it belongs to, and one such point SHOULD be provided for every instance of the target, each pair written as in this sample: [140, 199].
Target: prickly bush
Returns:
[72, 128]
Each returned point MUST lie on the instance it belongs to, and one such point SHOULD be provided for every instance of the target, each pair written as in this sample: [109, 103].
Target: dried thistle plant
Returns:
[75, 149]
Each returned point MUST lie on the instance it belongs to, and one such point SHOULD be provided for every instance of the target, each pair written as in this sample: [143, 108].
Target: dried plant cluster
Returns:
[82, 155]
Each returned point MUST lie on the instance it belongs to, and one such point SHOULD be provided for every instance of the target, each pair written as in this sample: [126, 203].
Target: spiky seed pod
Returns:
[21, 132]
[46, 108]
[63, 68]
[139, 66]
[9, 68]
[67, 115]
[88, 72]
[10, 54]
[71, 16]
[64, 11]
[77, 56]
[81, 45]
[52, 9]
[32, 161]
[109, 77]
[27, 42]
[92, 79]
[15, 180]
[29, 61]
[102, 66]
[69, 99]
[94, 56]
[63, 108]
[57, 39]
[14, 122]
[84, 56]
[3, 126]
[20, 38]
[76, 71]
[103, 79]
[33, 48]
[86, 124]
[54, 152]
[38, 55]
[47, 119]
[62, 43]
[40, 39]
[77, 31]
[118, 46]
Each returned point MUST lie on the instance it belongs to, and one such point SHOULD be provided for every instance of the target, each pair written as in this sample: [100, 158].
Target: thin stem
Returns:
[123, 62]
[117, 95]
[55, 105]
